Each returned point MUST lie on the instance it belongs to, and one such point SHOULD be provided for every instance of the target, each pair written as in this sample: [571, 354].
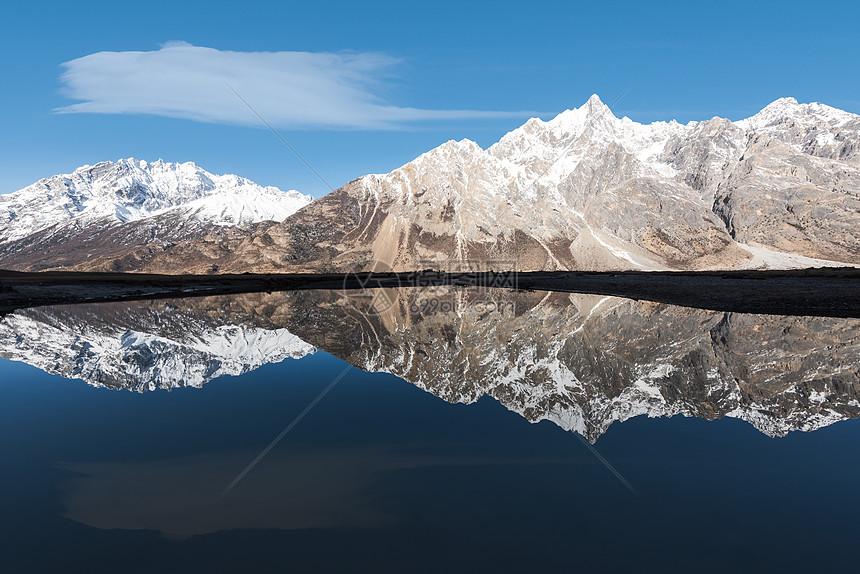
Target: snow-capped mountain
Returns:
[80, 208]
[587, 190]
[130, 190]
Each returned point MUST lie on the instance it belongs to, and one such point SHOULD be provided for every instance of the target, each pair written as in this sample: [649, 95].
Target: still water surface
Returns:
[722, 441]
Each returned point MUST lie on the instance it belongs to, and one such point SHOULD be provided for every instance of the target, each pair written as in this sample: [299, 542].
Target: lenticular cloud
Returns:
[288, 89]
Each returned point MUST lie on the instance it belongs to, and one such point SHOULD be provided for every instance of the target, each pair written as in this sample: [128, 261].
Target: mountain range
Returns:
[585, 190]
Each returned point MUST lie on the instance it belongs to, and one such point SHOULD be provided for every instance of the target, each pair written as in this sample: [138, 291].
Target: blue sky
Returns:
[365, 88]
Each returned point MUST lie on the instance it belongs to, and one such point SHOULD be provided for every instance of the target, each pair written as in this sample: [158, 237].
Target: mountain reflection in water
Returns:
[580, 361]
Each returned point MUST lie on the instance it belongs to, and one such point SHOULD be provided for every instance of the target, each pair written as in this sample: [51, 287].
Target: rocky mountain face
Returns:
[585, 190]
[105, 211]
[580, 361]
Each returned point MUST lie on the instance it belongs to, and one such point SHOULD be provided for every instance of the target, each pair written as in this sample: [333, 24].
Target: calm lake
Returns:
[426, 430]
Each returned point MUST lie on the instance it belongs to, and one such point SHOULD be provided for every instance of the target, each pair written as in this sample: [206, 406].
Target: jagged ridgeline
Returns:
[585, 190]
[580, 361]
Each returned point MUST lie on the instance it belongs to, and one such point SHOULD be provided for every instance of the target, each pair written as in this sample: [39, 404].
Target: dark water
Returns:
[466, 457]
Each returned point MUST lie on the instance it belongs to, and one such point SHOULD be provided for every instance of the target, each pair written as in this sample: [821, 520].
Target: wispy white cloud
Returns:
[288, 89]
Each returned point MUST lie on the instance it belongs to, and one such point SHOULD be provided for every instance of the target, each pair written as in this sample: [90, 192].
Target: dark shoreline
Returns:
[816, 292]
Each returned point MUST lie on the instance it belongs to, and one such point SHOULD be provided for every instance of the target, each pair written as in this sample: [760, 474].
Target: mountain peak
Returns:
[574, 121]
[451, 148]
[595, 102]
[592, 106]
[783, 103]
[143, 164]
[788, 108]
[782, 106]
[158, 164]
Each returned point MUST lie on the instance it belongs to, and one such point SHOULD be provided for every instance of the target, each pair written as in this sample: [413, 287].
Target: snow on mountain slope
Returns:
[785, 110]
[548, 151]
[130, 190]
[814, 129]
